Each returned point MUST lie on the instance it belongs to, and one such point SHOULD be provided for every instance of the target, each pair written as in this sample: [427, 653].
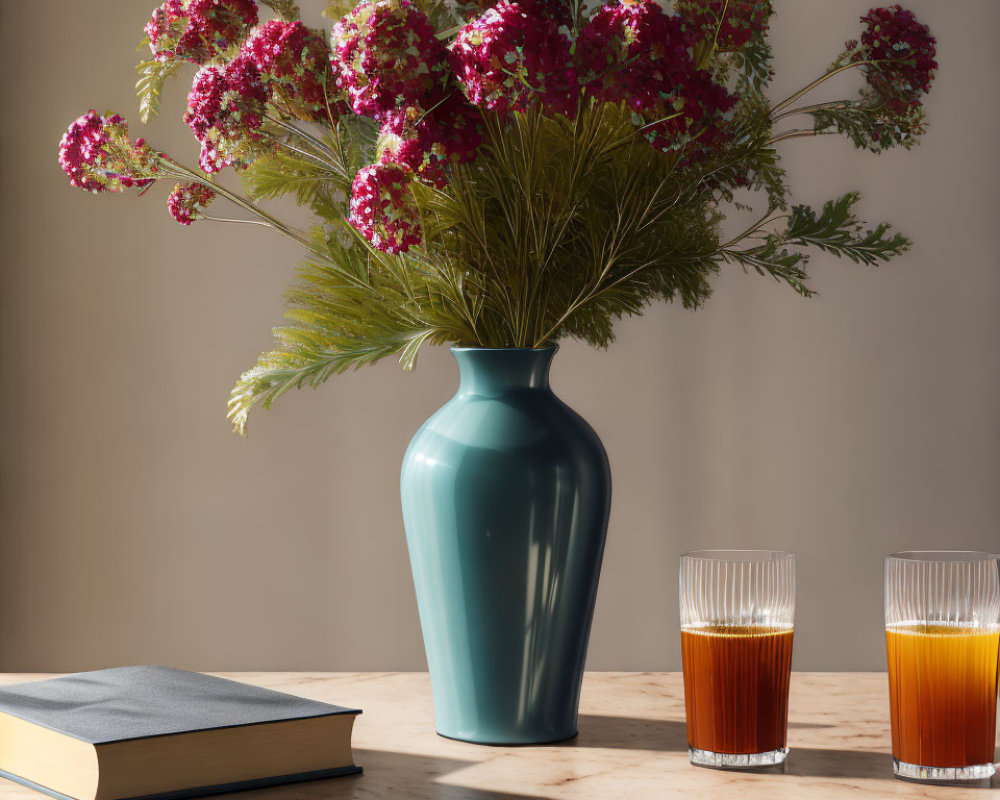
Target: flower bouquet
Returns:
[501, 178]
[505, 176]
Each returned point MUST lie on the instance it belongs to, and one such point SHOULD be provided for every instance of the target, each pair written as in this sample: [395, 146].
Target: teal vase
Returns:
[506, 493]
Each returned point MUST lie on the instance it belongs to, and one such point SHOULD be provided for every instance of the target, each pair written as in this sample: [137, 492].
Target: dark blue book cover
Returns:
[139, 704]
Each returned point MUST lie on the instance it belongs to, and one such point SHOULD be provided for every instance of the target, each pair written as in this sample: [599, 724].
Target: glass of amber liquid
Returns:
[942, 630]
[737, 623]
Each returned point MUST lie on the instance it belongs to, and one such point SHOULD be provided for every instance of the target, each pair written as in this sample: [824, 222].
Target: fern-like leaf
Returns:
[837, 230]
[870, 124]
[752, 66]
[772, 259]
[152, 76]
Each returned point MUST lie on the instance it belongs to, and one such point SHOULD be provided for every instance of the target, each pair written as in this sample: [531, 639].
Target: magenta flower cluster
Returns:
[97, 155]
[387, 58]
[386, 61]
[382, 208]
[198, 30]
[509, 59]
[900, 52]
[632, 52]
[284, 64]
[294, 65]
[226, 108]
[393, 68]
[188, 201]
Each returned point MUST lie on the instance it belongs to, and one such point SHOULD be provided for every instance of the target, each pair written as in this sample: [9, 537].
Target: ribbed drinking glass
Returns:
[737, 625]
[942, 630]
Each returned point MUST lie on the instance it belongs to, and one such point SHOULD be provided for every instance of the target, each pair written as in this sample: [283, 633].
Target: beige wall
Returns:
[136, 528]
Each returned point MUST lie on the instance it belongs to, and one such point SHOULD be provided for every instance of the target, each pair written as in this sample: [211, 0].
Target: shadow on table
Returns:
[670, 736]
[388, 776]
[627, 733]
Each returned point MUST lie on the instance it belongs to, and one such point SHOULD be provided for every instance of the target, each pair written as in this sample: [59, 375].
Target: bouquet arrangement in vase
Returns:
[501, 178]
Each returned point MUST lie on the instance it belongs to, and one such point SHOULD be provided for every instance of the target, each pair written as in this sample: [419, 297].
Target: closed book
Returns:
[153, 732]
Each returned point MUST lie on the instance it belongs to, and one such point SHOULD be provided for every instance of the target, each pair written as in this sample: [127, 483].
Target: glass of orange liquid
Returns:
[942, 630]
[737, 623]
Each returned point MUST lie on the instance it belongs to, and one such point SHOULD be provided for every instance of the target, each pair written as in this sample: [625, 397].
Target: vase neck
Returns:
[491, 372]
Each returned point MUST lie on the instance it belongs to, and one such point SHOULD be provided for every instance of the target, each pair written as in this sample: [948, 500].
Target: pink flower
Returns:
[386, 57]
[187, 201]
[226, 108]
[428, 142]
[508, 59]
[197, 30]
[743, 19]
[902, 51]
[294, 65]
[97, 155]
[383, 210]
[632, 52]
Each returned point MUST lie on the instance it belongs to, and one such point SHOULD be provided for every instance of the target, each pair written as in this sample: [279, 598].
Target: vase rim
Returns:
[463, 349]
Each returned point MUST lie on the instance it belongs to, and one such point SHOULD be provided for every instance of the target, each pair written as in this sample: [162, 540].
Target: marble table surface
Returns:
[631, 745]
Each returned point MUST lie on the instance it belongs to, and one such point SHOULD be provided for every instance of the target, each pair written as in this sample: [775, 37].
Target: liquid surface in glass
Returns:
[943, 693]
[736, 687]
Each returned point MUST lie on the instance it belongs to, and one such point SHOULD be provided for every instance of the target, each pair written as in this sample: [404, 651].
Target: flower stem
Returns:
[792, 98]
[796, 133]
[180, 171]
[810, 109]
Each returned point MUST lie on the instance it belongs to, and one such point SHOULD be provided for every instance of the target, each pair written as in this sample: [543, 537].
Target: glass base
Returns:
[706, 758]
[915, 772]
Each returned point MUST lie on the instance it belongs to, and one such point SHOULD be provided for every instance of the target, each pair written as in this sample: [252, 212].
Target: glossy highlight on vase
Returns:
[506, 493]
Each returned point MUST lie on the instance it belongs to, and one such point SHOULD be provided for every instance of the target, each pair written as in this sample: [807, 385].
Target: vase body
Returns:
[506, 493]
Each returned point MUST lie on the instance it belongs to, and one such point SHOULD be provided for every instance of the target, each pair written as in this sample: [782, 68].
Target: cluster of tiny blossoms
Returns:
[226, 108]
[632, 52]
[381, 208]
[188, 201]
[282, 64]
[386, 61]
[392, 67]
[508, 59]
[899, 55]
[294, 65]
[198, 30]
[97, 155]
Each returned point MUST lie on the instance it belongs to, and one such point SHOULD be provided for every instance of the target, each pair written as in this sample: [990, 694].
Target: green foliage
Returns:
[561, 227]
[772, 259]
[152, 77]
[558, 228]
[317, 172]
[870, 124]
[336, 9]
[353, 306]
[836, 230]
[752, 66]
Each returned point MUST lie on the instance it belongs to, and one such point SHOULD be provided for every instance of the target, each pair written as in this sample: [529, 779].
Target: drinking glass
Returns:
[737, 624]
[942, 631]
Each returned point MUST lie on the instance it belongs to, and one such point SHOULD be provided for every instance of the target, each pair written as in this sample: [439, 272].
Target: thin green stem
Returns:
[837, 104]
[823, 78]
[796, 133]
[767, 219]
